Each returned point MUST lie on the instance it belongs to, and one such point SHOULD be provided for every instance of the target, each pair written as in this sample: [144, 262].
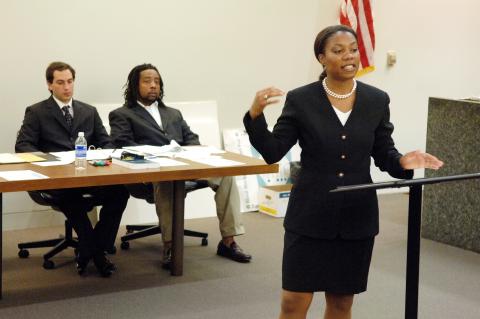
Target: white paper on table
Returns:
[196, 153]
[175, 150]
[53, 163]
[21, 175]
[8, 158]
[163, 161]
[65, 156]
[472, 98]
[117, 153]
[69, 156]
[99, 154]
[173, 147]
[203, 149]
[217, 161]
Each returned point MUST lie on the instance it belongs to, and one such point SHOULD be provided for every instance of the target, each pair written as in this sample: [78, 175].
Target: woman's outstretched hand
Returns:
[419, 159]
[262, 99]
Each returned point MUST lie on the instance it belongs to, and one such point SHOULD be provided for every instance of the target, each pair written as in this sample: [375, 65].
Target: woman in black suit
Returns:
[340, 124]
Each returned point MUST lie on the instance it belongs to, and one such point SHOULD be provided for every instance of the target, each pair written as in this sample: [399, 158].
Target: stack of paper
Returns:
[166, 150]
[9, 158]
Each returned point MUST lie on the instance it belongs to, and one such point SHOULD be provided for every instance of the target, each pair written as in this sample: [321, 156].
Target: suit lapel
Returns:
[357, 109]
[144, 114]
[79, 114]
[57, 114]
[328, 106]
[162, 109]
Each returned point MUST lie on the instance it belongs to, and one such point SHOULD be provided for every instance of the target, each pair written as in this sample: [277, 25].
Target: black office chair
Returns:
[58, 244]
[295, 168]
[145, 191]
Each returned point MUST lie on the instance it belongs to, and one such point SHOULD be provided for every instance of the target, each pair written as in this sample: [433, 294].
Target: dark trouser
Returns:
[75, 203]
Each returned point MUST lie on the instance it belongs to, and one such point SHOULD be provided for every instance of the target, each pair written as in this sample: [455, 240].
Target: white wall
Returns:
[436, 43]
[226, 50]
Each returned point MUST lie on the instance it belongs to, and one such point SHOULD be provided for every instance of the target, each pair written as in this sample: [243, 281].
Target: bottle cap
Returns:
[81, 134]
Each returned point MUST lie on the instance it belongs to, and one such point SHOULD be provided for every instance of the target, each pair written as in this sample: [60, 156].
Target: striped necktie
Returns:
[68, 116]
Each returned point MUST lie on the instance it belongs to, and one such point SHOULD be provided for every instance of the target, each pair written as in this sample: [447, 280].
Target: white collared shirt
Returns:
[61, 104]
[154, 112]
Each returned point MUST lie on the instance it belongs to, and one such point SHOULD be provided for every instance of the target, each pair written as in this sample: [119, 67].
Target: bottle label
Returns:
[80, 151]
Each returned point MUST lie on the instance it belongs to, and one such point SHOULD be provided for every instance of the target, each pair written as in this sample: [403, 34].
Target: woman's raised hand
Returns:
[262, 99]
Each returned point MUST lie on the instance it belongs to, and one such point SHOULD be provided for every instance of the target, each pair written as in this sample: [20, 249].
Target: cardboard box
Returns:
[236, 140]
[273, 200]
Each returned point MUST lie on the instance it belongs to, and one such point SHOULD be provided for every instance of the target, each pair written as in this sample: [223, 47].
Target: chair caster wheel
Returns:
[125, 245]
[23, 253]
[204, 241]
[48, 264]
[112, 251]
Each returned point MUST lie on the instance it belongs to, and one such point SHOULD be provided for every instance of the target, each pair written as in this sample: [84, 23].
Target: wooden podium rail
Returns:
[414, 222]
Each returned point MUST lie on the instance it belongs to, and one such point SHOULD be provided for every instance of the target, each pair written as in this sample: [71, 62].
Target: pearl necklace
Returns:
[336, 95]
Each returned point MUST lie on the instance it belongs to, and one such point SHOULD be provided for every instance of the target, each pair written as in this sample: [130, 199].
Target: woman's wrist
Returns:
[254, 114]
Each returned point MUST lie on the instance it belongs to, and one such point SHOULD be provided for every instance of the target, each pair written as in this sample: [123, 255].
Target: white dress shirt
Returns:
[61, 104]
[153, 110]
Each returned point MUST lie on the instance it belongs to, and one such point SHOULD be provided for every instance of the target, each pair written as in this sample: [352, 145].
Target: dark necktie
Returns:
[68, 116]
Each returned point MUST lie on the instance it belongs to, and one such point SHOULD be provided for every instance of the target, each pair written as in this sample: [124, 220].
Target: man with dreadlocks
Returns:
[145, 120]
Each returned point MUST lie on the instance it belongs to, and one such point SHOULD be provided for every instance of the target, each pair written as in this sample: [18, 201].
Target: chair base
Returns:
[141, 231]
[58, 244]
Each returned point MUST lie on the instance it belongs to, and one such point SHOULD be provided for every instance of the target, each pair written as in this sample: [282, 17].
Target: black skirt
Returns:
[331, 265]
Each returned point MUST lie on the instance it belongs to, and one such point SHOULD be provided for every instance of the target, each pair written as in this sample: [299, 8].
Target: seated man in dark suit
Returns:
[145, 120]
[53, 125]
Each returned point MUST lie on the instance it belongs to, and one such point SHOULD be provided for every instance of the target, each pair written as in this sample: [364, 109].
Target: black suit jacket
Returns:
[309, 118]
[45, 129]
[135, 126]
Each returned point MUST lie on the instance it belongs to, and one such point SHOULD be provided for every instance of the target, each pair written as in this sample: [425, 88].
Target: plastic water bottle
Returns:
[81, 151]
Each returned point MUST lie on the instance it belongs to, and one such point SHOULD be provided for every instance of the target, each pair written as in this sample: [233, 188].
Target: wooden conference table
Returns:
[67, 177]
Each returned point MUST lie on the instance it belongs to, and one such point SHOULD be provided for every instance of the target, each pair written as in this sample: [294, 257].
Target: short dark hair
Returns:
[131, 87]
[57, 66]
[324, 35]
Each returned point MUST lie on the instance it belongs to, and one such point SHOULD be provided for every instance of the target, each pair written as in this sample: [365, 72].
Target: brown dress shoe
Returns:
[234, 252]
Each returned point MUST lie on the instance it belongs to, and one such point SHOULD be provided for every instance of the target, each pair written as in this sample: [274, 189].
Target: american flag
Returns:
[357, 14]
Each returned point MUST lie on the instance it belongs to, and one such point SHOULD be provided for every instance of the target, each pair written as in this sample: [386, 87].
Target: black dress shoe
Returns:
[167, 258]
[104, 266]
[234, 252]
[111, 251]
[81, 264]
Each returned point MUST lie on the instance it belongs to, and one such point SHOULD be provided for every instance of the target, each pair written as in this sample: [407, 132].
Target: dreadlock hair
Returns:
[131, 94]
[322, 38]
